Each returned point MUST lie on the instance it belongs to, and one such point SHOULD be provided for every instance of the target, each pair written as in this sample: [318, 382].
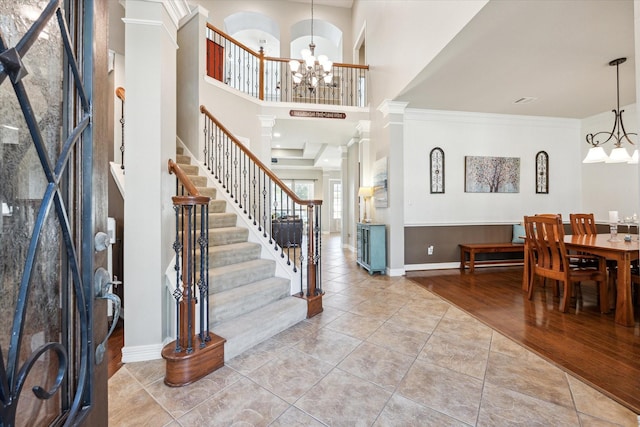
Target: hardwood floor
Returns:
[583, 341]
[114, 349]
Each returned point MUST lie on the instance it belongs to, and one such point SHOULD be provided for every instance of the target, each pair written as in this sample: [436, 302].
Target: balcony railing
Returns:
[269, 79]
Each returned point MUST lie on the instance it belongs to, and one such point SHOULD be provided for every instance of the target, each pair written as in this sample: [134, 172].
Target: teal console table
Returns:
[372, 247]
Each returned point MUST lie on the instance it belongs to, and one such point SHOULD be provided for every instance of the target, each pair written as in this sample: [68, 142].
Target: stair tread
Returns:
[235, 302]
[233, 247]
[249, 329]
[251, 288]
[245, 265]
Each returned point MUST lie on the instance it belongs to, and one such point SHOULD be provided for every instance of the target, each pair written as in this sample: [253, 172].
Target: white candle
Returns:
[613, 217]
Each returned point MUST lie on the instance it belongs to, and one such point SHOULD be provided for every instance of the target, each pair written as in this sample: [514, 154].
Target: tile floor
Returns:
[385, 352]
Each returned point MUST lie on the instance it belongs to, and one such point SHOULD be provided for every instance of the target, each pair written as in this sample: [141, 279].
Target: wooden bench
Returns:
[488, 248]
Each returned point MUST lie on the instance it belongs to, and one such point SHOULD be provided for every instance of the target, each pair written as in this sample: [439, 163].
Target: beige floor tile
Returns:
[464, 327]
[294, 417]
[375, 309]
[381, 366]
[342, 302]
[328, 315]
[591, 402]
[530, 375]
[504, 407]
[506, 346]
[403, 412]
[342, 399]
[399, 339]
[179, 400]
[328, 346]
[147, 372]
[291, 374]
[415, 319]
[356, 326]
[131, 405]
[242, 403]
[259, 354]
[454, 394]
[466, 357]
[446, 367]
[296, 333]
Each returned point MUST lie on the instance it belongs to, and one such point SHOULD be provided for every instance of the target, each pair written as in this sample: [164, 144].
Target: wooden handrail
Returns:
[335, 64]
[120, 93]
[194, 195]
[222, 33]
[262, 166]
[270, 58]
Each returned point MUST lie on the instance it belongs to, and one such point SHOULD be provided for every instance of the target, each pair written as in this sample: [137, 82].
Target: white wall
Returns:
[475, 134]
[285, 14]
[150, 136]
[609, 186]
[191, 69]
[430, 24]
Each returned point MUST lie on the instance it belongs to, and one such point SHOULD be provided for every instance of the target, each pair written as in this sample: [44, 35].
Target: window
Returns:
[336, 198]
[282, 205]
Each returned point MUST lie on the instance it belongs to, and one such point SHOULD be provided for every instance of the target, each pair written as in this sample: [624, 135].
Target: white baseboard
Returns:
[393, 272]
[141, 353]
[432, 266]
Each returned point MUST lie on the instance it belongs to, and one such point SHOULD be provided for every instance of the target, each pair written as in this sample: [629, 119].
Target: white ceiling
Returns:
[556, 51]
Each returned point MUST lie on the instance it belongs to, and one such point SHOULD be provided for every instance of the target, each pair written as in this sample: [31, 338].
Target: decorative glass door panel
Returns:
[47, 361]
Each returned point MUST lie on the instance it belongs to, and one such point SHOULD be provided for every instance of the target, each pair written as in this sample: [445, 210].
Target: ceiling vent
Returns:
[525, 100]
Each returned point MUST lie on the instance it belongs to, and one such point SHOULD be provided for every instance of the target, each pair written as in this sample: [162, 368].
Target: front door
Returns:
[52, 194]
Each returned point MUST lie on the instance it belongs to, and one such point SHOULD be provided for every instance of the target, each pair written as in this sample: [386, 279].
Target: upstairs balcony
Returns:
[270, 79]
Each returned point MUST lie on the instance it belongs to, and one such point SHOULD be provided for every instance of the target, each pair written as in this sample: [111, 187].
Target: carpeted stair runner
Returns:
[248, 303]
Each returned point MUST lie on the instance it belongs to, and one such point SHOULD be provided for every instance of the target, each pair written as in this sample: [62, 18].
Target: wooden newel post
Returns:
[314, 299]
[311, 250]
[187, 305]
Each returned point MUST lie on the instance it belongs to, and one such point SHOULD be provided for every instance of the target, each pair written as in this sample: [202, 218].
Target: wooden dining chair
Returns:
[550, 260]
[583, 224]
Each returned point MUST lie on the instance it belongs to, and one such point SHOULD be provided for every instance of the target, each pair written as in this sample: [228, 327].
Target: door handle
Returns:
[101, 282]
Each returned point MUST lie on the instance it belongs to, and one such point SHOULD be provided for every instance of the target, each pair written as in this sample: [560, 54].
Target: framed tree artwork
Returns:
[542, 173]
[436, 165]
[492, 174]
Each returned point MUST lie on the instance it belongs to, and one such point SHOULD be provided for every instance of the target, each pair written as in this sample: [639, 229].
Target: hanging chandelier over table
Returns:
[311, 71]
[619, 154]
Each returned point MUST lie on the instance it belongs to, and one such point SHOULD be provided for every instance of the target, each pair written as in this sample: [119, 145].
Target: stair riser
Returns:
[222, 258]
[189, 169]
[230, 309]
[207, 191]
[222, 282]
[218, 237]
[219, 220]
[217, 206]
[224, 236]
[198, 181]
[253, 329]
[181, 159]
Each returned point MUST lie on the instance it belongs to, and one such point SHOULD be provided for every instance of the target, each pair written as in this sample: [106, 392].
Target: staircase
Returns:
[247, 302]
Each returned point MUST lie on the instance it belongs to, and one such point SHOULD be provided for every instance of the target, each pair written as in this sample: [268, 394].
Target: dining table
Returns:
[622, 251]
